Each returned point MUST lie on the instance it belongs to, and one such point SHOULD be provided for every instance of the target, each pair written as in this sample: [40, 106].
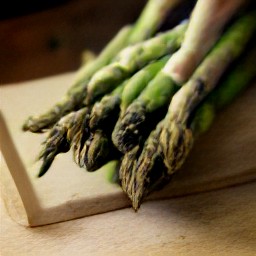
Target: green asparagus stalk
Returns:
[148, 169]
[207, 23]
[128, 130]
[139, 81]
[132, 59]
[230, 87]
[105, 110]
[144, 28]
[93, 151]
[76, 94]
[154, 14]
[126, 170]
[74, 130]
[200, 36]
[98, 149]
[60, 137]
[88, 149]
[176, 139]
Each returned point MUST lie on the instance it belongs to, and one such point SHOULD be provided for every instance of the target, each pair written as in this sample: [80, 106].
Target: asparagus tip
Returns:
[126, 133]
[175, 141]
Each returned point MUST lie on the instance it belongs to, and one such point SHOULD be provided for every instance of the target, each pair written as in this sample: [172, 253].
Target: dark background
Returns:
[42, 38]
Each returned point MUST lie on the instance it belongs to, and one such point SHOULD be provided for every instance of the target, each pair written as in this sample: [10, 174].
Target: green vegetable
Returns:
[176, 139]
[132, 59]
[144, 28]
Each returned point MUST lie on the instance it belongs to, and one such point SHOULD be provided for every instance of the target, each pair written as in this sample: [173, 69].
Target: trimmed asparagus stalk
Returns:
[142, 177]
[132, 59]
[97, 149]
[145, 27]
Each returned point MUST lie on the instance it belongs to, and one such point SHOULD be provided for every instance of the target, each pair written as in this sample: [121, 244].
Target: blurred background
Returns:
[46, 37]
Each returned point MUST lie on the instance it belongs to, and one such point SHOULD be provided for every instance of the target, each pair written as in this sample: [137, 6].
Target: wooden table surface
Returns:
[221, 222]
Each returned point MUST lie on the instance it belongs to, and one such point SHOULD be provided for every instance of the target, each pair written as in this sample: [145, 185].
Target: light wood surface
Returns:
[223, 157]
[215, 223]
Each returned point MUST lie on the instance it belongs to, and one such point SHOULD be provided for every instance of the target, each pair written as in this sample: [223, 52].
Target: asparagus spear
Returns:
[144, 28]
[128, 130]
[176, 140]
[139, 180]
[104, 111]
[139, 81]
[199, 38]
[132, 59]
[154, 14]
[206, 24]
[74, 130]
[88, 147]
[81, 136]
[123, 95]
[148, 169]
[60, 137]
[98, 149]
[76, 94]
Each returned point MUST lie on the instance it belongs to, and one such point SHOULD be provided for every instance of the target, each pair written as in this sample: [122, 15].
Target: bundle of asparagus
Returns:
[148, 95]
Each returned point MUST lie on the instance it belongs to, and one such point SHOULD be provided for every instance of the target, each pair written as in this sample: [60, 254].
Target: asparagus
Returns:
[98, 149]
[154, 14]
[128, 130]
[148, 169]
[199, 38]
[76, 94]
[144, 28]
[143, 166]
[60, 138]
[206, 24]
[139, 81]
[74, 130]
[176, 139]
[86, 143]
[81, 136]
[106, 109]
[132, 59]
[230, 87]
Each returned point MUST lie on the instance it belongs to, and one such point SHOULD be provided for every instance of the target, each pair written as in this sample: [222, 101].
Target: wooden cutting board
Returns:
[224, 156]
